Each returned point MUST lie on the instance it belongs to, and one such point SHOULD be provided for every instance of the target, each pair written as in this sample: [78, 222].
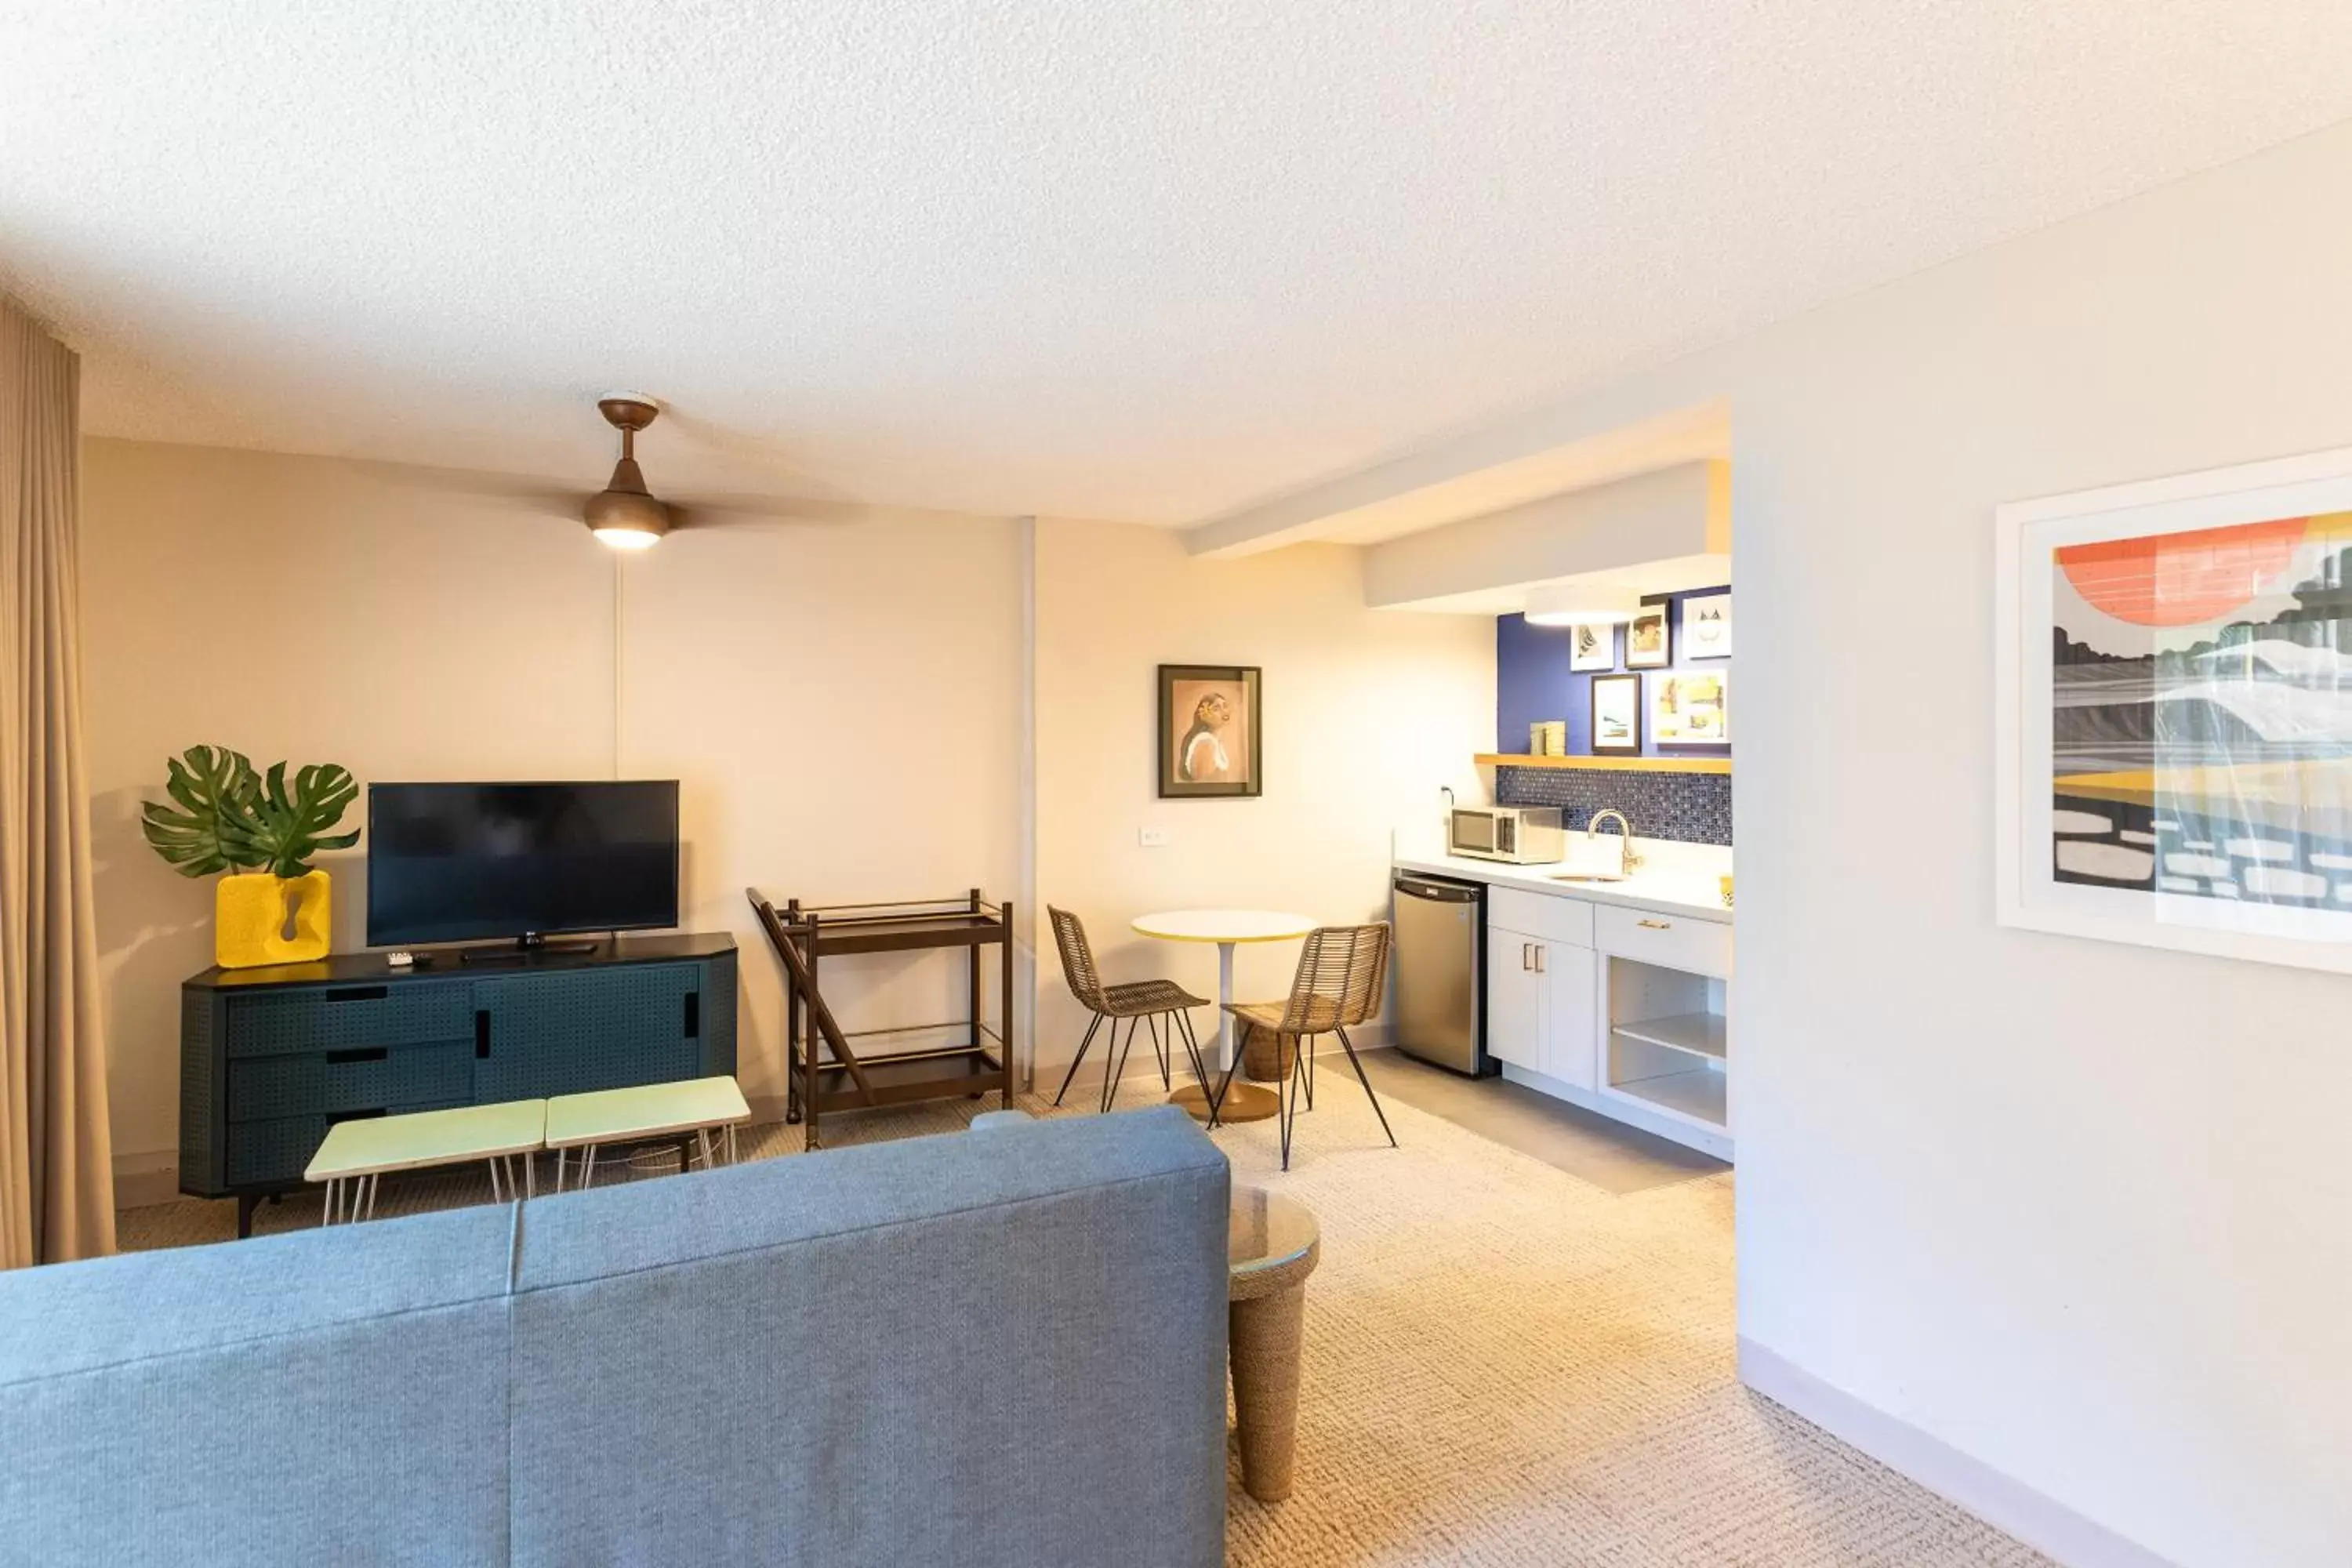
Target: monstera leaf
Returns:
[216, 789]
[282, 829]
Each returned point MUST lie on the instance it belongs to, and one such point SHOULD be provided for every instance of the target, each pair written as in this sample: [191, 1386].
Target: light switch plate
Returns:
[1151, 838]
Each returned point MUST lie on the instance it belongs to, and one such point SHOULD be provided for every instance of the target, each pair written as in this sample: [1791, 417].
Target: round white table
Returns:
[1228, 928]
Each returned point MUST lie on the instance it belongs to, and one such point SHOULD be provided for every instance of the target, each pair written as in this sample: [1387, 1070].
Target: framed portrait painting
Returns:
[2173, 701]
[1211, 730]
[1706, 625]
[1591, 645]
[1647, 644]
[1691, 707]
[1616, 714]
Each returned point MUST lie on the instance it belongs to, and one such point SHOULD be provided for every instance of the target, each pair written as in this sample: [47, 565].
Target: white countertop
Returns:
[1685, 885]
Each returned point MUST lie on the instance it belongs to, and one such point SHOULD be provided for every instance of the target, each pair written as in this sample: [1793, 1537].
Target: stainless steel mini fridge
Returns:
[1441, 972]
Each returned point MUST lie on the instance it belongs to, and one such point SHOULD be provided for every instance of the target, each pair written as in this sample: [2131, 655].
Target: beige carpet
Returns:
[1504, 1365]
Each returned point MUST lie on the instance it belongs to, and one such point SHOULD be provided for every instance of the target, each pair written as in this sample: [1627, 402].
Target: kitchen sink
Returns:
[1588, 876]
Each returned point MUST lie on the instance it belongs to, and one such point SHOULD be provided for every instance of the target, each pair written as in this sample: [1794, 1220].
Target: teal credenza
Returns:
[271, 1058]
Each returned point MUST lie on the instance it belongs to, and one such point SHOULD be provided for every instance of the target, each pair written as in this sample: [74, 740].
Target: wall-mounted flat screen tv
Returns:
[471, 862]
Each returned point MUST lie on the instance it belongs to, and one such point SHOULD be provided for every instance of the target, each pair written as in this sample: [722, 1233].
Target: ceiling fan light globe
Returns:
[627, 539]
[627, 519]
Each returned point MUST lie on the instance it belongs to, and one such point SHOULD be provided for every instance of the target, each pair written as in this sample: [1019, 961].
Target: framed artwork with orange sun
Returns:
[2174, 713]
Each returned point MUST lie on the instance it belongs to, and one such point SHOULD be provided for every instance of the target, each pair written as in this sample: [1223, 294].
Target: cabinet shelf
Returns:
[1700, 1034]
[1698, 1094]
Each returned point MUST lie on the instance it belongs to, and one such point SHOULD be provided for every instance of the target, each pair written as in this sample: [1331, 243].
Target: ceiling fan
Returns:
[625, 514]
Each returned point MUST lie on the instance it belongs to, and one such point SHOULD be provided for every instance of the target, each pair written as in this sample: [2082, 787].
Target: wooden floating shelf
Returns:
[1616, 764]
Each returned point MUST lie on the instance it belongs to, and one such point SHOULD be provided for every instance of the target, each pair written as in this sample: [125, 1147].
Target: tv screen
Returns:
[465, 862]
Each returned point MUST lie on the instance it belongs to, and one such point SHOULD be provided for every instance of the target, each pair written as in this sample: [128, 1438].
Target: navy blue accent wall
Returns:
[1533, 683]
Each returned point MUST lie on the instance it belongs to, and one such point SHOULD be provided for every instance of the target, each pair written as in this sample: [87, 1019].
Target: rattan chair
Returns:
[1341, 972]
[1137, 1003]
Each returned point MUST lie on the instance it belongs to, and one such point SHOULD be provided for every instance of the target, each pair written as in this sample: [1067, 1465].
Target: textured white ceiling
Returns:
[1146, 260]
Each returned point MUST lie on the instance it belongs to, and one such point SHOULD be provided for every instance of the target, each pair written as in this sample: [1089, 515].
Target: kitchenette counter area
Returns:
[1675, 880]
[1611, 995]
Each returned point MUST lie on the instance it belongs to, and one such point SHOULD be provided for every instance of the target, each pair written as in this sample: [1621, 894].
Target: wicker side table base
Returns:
[1263, 1335]
[1272, 1246]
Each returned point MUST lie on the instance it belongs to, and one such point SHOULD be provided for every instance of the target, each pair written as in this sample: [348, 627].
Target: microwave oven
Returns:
[1523, 835]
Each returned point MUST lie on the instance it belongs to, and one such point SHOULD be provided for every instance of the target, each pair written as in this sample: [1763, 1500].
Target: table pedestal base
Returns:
[1263, 1335]
[1244, 1102]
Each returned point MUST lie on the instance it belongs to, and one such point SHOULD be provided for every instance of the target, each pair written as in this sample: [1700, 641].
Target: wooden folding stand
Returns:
[825, 1071]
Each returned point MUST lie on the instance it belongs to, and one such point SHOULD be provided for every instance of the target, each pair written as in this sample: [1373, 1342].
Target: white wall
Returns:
[2077, 1211]
[842, 704]
[1367, 712]
[839, 699]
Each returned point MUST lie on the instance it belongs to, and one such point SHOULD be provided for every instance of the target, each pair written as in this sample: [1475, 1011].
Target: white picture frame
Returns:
[1690, 706]
[1706, 625]
[2284, 784]
[1592, 646]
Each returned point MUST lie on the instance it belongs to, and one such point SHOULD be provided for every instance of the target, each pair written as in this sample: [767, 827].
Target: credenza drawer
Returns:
[355, 1077]
[1561, 919]
[328, 1017]
[1670, 941]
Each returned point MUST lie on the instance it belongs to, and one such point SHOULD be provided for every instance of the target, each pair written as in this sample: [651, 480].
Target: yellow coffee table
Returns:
[357, 1154]
[700, 1106]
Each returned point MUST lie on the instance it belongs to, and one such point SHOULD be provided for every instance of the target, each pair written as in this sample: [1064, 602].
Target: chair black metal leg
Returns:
[1193, 1049]
[1286, 1091]
[1354, 1060]
[1306, 1049]
[1160, 1050]
[1115, 1070]
[1083, 1045]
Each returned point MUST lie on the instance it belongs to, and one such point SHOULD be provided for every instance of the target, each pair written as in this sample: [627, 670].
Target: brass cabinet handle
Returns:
[1540, 968]
[1526, 955]
[1656, 925]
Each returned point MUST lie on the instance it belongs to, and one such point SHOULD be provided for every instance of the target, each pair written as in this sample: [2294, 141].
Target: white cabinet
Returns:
[1668, 942]
[1542, 1008]
[1515, 999]
[1572, 1027]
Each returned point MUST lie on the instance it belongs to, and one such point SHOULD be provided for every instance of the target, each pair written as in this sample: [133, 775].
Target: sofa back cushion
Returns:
[327, 1396]
[1003, 1346]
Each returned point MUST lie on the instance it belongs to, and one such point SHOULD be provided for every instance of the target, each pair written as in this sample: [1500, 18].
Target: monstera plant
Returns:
[273, 905]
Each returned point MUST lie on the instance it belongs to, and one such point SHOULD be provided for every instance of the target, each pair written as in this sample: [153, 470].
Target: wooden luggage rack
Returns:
[825, 1072]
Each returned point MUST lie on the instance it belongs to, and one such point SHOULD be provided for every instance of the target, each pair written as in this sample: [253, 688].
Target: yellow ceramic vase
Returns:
[251, 914]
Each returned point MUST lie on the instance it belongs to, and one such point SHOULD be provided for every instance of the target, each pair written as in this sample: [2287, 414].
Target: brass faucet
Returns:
[1592, 828]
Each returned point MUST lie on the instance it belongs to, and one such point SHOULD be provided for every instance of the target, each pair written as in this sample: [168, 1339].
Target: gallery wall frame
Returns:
[1650, 637]
[2173, 712]
[1706, 625]
[1592, 646]
[1616, 715]
[1690, 706]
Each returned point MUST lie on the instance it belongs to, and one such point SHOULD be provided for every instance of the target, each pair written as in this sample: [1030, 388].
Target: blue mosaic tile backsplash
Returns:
[1695, 808]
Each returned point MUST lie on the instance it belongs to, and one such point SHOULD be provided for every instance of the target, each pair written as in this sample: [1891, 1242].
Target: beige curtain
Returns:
[57, 1174]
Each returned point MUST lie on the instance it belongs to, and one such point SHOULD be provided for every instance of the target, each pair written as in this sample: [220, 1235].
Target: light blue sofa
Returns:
[1004, 1346]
